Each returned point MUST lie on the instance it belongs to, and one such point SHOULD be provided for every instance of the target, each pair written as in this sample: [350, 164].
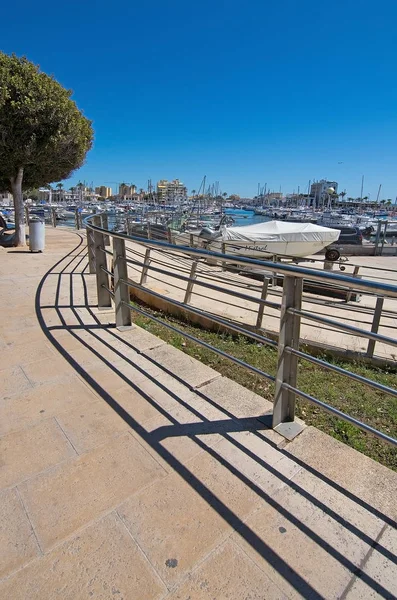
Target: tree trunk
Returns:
[16, 187]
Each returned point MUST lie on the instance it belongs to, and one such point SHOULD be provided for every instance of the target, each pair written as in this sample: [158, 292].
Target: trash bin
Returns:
[36, 235]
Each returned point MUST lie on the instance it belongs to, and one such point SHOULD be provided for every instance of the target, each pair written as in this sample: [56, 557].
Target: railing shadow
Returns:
[192, 430]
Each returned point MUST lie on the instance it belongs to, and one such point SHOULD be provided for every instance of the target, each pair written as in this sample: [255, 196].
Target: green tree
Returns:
[43, 135]
[33, 194]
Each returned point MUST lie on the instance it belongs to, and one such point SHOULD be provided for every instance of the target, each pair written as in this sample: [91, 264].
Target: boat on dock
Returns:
[272, 238]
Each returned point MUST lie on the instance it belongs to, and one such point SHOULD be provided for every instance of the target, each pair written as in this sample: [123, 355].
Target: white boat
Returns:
[270, 238]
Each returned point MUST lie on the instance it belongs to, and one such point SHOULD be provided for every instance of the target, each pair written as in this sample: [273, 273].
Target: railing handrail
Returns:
[291, 313]
[341, 279]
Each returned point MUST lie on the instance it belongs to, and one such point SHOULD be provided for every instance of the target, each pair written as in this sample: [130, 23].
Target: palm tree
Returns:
[194, 192]
[60, 192]
[342, 195]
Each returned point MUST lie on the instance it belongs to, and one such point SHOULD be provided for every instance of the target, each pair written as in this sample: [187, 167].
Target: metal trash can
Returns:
[36, 235]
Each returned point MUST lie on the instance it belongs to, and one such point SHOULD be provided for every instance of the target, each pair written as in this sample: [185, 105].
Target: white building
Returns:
[319, 190]
[171, 190]
[6, 199]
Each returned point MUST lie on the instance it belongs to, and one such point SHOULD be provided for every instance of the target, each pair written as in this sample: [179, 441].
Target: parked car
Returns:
[349, 235]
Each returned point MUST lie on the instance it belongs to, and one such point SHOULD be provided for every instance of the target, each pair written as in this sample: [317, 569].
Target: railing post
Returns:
[105, 225]
[355, 274]
[121, 294]
[53, 217]
[191, 240]
[76, 218]
[149, 231]
[261, 306]
[274, 277]
[287, 368]
[375, 325]
[102, 278]
[190, 284]
[223, 251]
[91, 250]
[145, 268]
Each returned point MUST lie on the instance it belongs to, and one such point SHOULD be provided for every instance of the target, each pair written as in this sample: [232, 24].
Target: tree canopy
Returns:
[43, 135]
[41, 128]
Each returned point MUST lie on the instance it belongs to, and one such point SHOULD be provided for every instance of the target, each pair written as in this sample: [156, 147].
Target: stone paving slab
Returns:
[379, 573]
[236, 399]
[176, 527]
[41, 402]
[228, 573]
[182, 366]
[91, 426]
[174, 489]
[17, 540]
[102, 562]
[69, 496]
[32, 450]
[363, 478]
[13, 381]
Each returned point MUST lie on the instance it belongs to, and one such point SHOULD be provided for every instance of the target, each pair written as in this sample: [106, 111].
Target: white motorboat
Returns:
[270, 238]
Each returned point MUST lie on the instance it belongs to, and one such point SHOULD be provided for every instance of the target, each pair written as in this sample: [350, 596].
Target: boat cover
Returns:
[282, 231]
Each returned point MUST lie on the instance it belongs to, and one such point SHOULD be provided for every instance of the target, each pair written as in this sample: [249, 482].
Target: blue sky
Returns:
[242, 92]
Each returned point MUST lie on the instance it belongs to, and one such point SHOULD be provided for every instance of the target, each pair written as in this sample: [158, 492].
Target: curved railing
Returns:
[113, 286]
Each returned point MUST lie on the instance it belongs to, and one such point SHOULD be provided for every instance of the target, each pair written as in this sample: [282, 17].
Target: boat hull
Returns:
[254, 249]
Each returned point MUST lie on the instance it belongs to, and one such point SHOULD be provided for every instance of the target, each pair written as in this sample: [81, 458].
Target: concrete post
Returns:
[91, 251]
[190, 284]
[53, 217]
[377, 236]
[105, 225]
[145, 268]
[102, 278]
[375, 325]
[261, 307]
[274, 278]
[287, 368]
[355, 274]
[121, 294]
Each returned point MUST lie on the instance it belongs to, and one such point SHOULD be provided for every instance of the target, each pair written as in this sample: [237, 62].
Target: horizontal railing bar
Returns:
[204, 273]
[106, 251]
[207, 285]
[301, 272]
[356, 330]
[341, 371]
[201, 342]
[108, 272]
[341, 415]
[107, 289]
[186, 307]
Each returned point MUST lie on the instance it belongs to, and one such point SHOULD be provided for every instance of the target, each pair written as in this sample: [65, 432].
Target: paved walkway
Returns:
[129, 470]
[242, 310]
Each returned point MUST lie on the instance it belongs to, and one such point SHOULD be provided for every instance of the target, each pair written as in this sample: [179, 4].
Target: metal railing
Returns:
[113, 286]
